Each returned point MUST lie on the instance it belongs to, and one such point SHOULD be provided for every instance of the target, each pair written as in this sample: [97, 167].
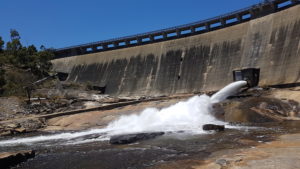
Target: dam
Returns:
[195, 57]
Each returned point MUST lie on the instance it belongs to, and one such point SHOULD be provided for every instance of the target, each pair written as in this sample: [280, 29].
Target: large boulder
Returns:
[131, 138]
[214, 127]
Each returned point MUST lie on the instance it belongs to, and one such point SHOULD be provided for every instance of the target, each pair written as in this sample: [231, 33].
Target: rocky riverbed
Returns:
[261, 123]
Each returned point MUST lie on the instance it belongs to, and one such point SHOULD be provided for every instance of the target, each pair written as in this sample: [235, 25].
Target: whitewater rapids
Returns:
[188, 116]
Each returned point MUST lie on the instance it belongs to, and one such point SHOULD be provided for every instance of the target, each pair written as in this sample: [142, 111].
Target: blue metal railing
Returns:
[170, 29]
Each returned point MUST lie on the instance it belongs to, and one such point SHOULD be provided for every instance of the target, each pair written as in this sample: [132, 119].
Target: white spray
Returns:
[188, 116]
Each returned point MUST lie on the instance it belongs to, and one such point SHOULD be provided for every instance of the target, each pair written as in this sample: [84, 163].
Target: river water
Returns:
[165, 150]
[184, 138]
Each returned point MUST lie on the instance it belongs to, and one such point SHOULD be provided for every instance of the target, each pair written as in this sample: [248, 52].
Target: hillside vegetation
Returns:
[21, 65]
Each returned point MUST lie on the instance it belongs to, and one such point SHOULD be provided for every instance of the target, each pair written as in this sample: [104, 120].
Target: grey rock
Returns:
[222, 162]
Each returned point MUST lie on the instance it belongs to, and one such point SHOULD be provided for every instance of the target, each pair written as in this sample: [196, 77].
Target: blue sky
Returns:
[62, 23]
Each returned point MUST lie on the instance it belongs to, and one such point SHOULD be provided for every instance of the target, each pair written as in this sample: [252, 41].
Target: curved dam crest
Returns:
[196, 63]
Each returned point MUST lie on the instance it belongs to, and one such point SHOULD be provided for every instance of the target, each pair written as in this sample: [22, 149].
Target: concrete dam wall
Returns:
[202, 62]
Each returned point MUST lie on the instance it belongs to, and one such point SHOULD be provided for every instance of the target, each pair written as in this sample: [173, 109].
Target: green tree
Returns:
[42, 47]
[15, 43]
[15, 52]
[14, 35]
[43, 63]
[25, 64]
[1, 44]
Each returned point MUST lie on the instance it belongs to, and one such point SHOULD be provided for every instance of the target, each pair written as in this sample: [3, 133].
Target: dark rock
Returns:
[213, 127]
[9, 159]
[131, 138]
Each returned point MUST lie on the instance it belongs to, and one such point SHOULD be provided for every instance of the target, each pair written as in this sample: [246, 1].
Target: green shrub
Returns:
[19, 57]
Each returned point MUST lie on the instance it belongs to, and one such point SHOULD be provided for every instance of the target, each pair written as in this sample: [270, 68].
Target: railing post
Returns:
[165, 35]
[193, 30]
[178, 32]
[239, 17]
[254, 12]
[104, 46]
[139, 40]
[223, 22]
[116, 44]
[273, 6]
[82, 50]
[294, 1]
[75, 51]
[207, 26]
[151, 37]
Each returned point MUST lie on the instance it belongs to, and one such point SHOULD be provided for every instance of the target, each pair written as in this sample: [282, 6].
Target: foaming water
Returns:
[61, 136]
[188, 116]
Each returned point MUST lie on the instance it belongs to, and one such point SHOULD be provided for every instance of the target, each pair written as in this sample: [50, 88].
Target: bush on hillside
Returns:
[14, 56]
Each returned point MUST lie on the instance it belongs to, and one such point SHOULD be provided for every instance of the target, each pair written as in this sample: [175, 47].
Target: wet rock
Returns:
[214, 127]
[9, 159]
[131, 138]
[20, 130]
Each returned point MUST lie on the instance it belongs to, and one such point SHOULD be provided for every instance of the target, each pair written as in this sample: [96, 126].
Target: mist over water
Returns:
[188, 116]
